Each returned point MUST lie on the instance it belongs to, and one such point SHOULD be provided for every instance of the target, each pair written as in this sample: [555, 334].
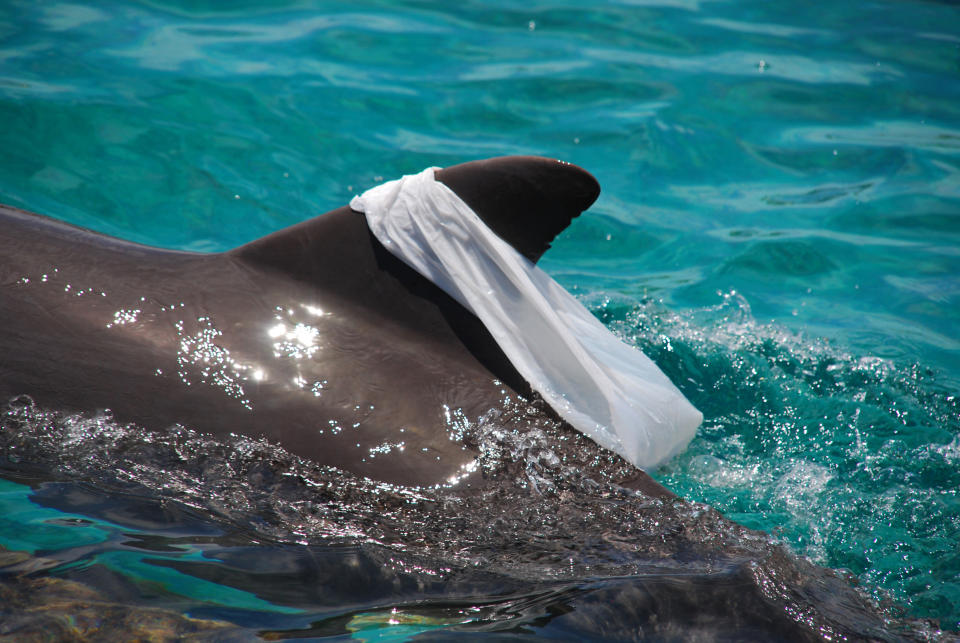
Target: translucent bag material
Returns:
[609, 391]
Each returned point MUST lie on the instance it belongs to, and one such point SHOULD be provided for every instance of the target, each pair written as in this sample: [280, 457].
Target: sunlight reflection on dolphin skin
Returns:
[294, 339]
[125, 316]
[316, 311]
[47, 279]
[465, 470]
[458, 424]
[199, 355]
[386, 447]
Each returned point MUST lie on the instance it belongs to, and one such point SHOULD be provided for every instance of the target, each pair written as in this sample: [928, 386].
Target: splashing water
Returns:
[852, 460]
[853, 494]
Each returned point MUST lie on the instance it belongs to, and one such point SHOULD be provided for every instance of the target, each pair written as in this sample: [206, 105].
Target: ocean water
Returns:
[779, 228]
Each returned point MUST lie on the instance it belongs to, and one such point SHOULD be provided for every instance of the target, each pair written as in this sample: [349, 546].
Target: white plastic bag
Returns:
[608, 390]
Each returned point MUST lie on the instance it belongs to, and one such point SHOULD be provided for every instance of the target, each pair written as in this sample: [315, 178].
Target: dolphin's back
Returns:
[314, 337]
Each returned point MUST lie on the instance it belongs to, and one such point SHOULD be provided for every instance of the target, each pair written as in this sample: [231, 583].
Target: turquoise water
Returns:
[779, 225]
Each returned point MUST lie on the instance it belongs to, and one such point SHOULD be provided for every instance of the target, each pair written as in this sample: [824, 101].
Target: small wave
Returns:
[846, 457]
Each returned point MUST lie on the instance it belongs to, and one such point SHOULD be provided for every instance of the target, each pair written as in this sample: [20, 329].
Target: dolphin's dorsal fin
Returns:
[526, 200]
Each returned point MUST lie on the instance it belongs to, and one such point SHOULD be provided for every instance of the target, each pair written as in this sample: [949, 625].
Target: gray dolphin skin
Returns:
[314, 337]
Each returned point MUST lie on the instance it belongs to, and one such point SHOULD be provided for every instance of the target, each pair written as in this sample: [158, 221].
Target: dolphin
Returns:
[314, 337]
[318, 339]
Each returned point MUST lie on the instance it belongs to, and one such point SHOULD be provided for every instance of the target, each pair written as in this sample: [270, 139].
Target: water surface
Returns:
[779, 228]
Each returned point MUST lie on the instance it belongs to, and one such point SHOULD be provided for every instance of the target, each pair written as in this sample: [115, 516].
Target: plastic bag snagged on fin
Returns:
[607, 390]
